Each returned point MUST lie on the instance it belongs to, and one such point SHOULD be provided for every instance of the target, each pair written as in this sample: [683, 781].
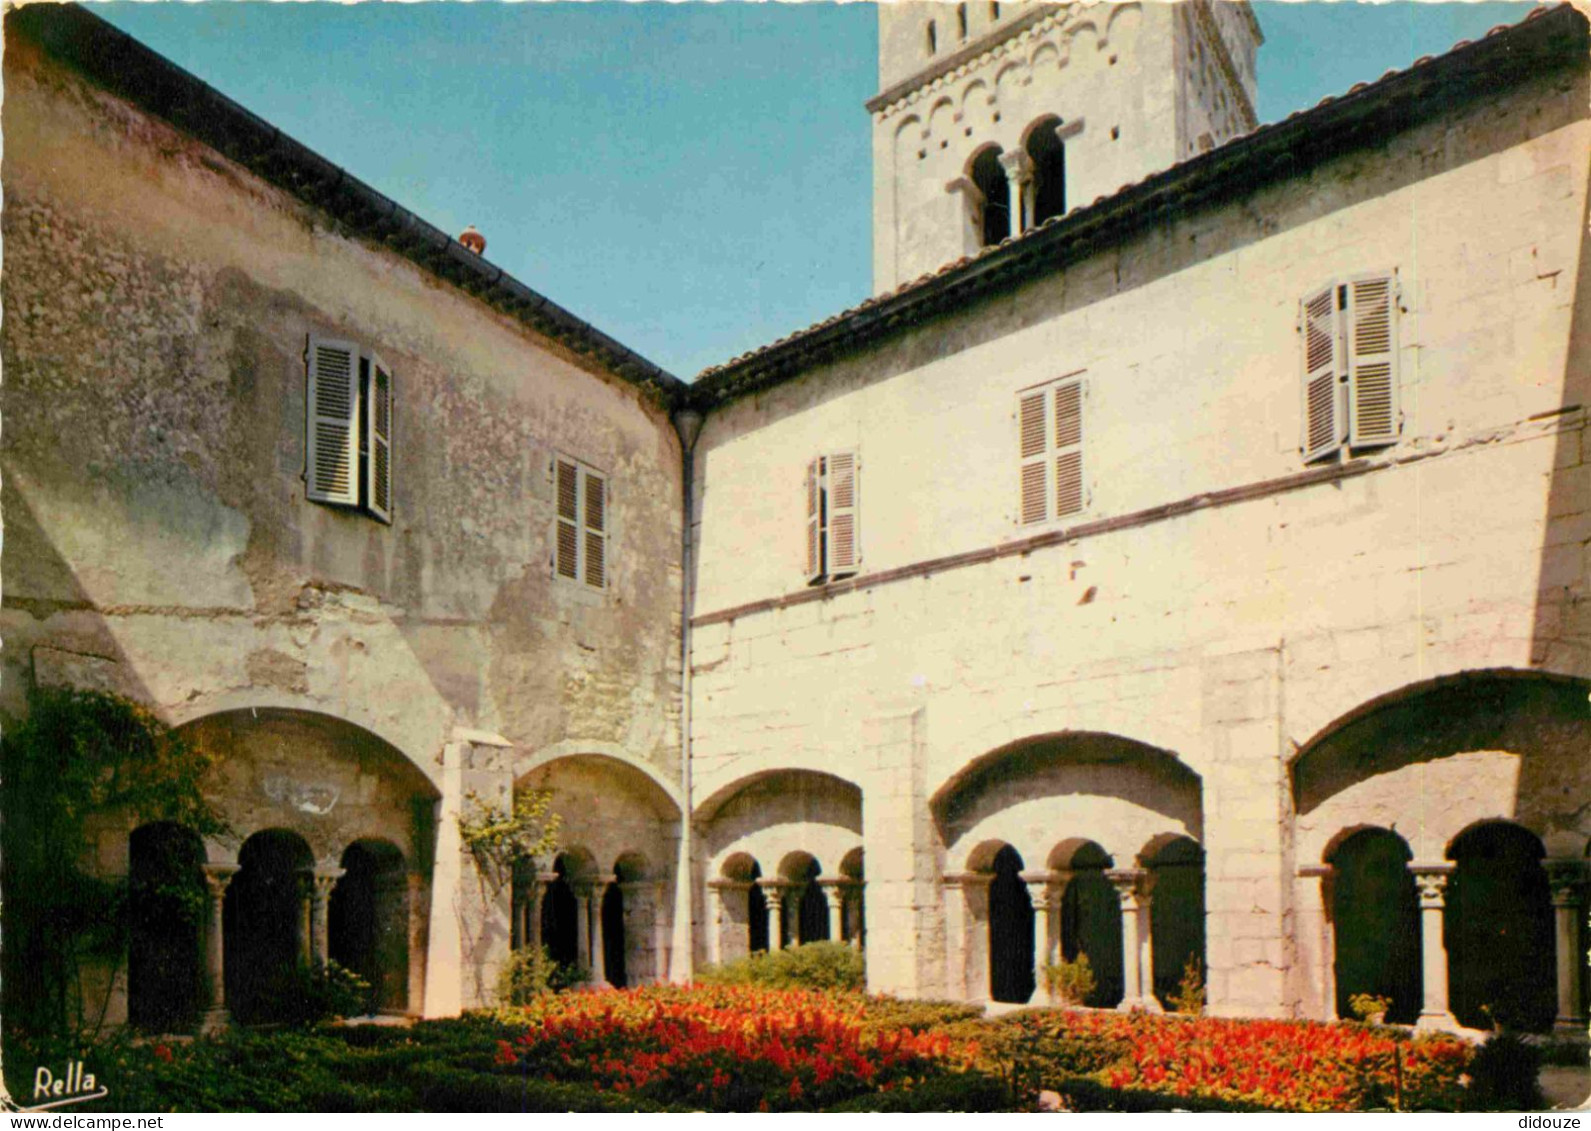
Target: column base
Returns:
[215, 1021]
[1571, 1025]
[1442, 1022]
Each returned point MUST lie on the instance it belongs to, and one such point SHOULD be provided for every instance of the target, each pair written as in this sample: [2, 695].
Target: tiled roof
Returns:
[1369, 112]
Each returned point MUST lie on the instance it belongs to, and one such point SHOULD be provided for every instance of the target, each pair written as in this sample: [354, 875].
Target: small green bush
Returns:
[813, 966]
[1189, 997]
[1071, 983]
[1503, 1076]
[1086, 1094]
[961, 1091]
[526, 975]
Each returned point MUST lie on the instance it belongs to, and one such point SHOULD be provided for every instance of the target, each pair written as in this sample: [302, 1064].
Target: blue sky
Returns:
[692, 178]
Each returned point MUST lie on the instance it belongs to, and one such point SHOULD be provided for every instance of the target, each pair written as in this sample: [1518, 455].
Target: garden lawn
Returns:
[740, 1048]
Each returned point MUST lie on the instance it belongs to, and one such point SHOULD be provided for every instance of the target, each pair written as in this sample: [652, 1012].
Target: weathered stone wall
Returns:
[1228, 634]
[159, 543]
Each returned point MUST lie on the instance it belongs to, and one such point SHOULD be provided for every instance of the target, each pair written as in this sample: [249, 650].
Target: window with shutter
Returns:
[348, 427]
[1349, 366]
[1050, 448]
[833, 546]
[378, 463]
[331, 441]
[581, 498]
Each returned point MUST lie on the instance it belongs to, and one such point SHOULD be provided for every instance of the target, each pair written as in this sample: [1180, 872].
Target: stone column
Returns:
[1018, 168]
[955, 935]
[854, 888]
[216, 879]
[774, 892]
[322, 880]
[583, 927]
[1316, 942]
[660, 930]
[1129, 889]
[975, 886]
[599, 950]
[535, 892]
[1431, 878]
[836, 901]
[1146, 944]
[1567, 879]
[717, 913]
[1039, 891]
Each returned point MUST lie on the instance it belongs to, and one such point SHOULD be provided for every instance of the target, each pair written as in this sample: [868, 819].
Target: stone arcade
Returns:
[1183, 556]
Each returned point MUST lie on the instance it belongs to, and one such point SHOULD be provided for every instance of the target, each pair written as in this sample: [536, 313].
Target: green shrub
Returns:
[526, 975]
[813, 966]
[959, 1091]
[1084, 1094]
[1189, 997]
[1070, 983]
[889, 1014]
[442, 1087]
[1503, 1076]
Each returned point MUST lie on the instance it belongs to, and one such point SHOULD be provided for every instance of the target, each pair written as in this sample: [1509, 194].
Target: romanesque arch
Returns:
[1484, 779]
[604, 904]
[368, 921]
[774, 844]
[299, 790]
[166, 987]
[1097, 820]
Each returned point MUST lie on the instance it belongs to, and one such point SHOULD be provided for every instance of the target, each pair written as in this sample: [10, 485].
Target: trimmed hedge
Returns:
[967, 1091]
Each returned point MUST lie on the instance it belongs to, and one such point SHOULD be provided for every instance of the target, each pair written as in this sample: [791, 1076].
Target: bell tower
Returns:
[994, 117]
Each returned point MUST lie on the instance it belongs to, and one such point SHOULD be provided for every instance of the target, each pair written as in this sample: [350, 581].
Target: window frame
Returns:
[359, 423]
[580, 523]
[1048, 454]
[1364, 406]
[821, 515]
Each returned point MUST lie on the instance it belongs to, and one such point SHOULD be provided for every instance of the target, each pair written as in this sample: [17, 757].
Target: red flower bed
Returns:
[1287, 1065]
[730, 1048]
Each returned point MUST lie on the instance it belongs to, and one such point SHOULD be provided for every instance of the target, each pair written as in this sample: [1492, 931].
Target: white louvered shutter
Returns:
[566, 492]
[378, 466]
[814, 522]
[331, 433]
[1372, 360]
[1034, 446]
[1069, 496]
[844, 553]
[1322, 412]
[594, 507]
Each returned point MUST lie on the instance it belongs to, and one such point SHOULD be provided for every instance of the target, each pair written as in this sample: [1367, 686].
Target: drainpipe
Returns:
[688, 425]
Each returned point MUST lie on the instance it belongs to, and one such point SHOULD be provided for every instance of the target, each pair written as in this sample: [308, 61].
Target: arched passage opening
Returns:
[166, 909]
[1177, 923]
[1091, 923]
[988, 175]
[810, 922]
[368, 921]
[1444, 760]
[1010, 930]
[1375, 916]
[561, 931]
[756, 912]
[1498, 923]
[1048, 153]
[266, 925]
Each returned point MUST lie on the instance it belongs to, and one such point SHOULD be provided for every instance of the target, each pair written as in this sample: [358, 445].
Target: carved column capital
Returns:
[1017, 164]
[1041, 887]
[325, 879]
[1129, 885]
[217, 877]
[1567, 880]
[1431, 879]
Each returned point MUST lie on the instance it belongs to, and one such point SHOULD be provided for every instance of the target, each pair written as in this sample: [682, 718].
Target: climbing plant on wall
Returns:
[80, 761]
[503, 838]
